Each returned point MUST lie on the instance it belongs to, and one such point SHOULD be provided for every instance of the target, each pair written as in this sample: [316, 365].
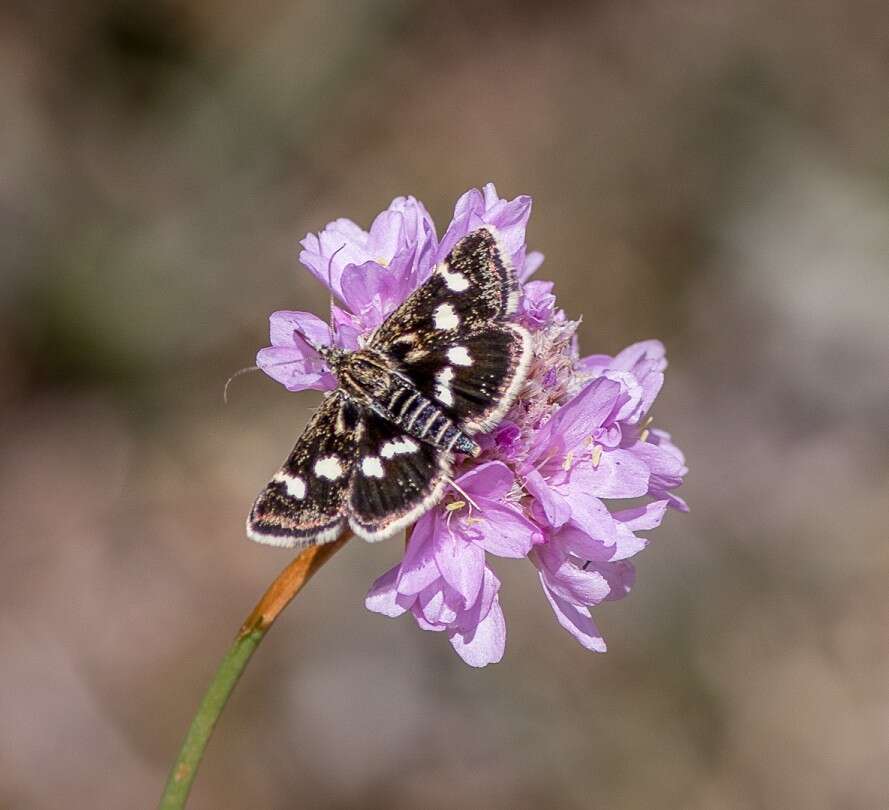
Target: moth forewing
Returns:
[304, 502]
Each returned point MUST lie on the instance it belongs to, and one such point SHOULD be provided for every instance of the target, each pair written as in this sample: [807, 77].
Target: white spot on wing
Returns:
[446, 317]
[395, 448]
[454, 281]
[296, 487]
[329, 467]
[443, 391]
[459, 355]
[372, 467]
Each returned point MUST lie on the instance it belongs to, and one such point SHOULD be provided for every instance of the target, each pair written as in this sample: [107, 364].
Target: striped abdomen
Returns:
[422, 419]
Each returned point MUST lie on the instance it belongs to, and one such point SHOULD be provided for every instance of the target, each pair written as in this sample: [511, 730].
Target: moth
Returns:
[446, 365]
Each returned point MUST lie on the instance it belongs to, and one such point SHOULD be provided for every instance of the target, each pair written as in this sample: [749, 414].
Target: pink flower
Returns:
[577, 437]
[389, 260]
[538, 304]
[444, 579]
[476, 208]
[290, 360]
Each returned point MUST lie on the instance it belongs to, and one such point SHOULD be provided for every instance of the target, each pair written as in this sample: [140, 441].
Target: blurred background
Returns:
[713, 174]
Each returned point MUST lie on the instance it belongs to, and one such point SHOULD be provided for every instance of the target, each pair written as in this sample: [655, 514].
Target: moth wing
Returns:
[305, 502]
[474, 285]
[473, 378]
[451, 338]
[396, 479]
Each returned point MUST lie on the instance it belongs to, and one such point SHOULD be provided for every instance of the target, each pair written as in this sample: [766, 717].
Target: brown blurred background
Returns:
[713, 174]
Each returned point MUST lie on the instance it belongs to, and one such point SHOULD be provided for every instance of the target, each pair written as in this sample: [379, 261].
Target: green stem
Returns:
[287, 585]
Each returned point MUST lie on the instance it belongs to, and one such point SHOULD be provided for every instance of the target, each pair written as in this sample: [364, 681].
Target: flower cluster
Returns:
[577, 436]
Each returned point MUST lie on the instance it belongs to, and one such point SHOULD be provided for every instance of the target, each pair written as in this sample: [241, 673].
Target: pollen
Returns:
[454, 506]
[597, 455]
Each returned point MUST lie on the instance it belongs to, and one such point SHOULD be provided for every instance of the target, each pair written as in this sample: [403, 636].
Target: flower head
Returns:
[577, 437]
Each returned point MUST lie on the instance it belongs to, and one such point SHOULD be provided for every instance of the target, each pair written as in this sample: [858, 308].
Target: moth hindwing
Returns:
[445, 365]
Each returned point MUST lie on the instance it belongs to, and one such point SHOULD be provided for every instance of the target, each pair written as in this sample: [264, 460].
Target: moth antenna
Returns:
[228, 382]
[332, 325]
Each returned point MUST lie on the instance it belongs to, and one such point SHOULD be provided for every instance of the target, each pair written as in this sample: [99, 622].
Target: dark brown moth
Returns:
[378, 453]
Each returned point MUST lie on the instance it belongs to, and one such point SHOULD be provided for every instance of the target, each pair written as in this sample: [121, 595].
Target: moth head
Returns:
[332, 355]
[363, 373]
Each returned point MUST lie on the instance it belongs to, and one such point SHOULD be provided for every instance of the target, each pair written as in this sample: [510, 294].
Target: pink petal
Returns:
[433, 627]
[434, 605]
[595, 363]
[476, 208]
[588, 513]
[462, 564]
[532, 264]
[418, 230]
[648, 353]
[468, 620]
[504, 531]
[631, 391]
[659, 460]
[385, 236]
[555, 507]
[576, 541]
[348, 328]
[590, 409]
[569, 581]
[286, 366]
[577, 420]
[366, 290]
[328, 253]
[628, 544]
[382, 596]
[621, 576]
[482, 606]
[651, 387]
[484, 644]
[418, 568]
[577, 620]
[490, 480]
[619, 474]
[640, 518]
[285, 325]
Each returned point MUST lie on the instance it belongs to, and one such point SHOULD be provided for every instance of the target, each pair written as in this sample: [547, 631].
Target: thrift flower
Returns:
[444, 579]
[577, 437]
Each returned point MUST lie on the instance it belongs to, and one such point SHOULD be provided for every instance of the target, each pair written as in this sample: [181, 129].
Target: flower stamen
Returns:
[596, 457]
[456, 486]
